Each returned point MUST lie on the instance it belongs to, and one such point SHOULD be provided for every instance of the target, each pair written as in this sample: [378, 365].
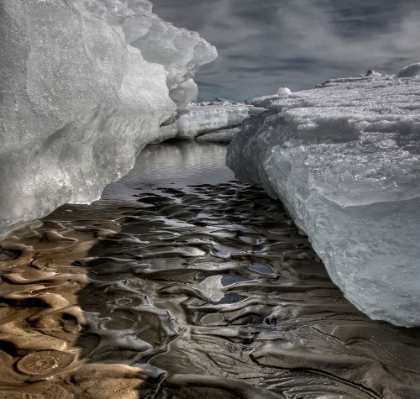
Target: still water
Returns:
[176, 163]
[181, 283]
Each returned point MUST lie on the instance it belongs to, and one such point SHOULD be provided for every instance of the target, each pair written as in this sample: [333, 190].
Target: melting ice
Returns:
[85, 87]
[344, 159]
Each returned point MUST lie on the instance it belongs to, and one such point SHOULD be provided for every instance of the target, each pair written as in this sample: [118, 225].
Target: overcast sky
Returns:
[266, 44]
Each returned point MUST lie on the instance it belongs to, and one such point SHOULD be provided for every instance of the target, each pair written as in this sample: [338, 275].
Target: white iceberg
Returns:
[86, 84]
[345, 160]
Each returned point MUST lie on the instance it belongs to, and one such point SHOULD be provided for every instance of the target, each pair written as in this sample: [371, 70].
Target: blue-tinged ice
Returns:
[345, 160]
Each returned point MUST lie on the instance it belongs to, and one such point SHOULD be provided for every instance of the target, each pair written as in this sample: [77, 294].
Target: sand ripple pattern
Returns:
[197, 292]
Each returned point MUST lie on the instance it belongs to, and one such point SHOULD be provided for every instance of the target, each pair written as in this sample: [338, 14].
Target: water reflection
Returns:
[179, 163]
[186, 292]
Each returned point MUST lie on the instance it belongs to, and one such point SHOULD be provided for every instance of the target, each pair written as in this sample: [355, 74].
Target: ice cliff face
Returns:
[85, 85]
[344, 158]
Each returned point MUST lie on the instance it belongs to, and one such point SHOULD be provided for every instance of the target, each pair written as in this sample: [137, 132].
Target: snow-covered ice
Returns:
[86, 85]
[345, 160]
[268, 101]
[263, 102]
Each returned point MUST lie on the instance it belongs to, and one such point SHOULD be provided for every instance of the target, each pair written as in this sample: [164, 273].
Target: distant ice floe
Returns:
[207, 117]
[85, 86]
[204, 119]
[345, 160]
[220, 136]
[410, 71]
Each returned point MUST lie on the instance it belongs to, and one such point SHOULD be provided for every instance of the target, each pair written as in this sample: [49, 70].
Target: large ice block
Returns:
[78, 101]
[345, 160]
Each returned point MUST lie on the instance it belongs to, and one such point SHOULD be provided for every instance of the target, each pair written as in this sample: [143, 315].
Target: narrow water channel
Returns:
[182, 283]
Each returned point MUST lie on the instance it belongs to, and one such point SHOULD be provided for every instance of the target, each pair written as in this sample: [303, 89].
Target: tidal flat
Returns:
[183, 283]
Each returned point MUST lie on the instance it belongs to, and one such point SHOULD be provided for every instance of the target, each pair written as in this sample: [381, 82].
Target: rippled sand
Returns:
[185, 291]
[196, 292]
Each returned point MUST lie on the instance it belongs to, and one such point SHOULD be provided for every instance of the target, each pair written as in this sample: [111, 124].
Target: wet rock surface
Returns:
[188, 292]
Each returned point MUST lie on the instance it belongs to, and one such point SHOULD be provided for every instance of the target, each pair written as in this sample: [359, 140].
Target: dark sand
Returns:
[186, 292]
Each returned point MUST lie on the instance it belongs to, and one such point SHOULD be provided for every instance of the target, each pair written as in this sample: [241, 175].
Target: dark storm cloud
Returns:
[266, 44]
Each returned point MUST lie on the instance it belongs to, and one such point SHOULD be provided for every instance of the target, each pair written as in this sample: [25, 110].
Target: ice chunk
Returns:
[264, 101]
[269, 101]
[373, 73]
[180, 51]
[207, 118]
[283, 92]
[184, 94]
[409, 71]
[344, 159]
[220, 136]
[78, 102]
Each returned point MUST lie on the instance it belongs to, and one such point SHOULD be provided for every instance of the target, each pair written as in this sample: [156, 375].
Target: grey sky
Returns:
[266, 44]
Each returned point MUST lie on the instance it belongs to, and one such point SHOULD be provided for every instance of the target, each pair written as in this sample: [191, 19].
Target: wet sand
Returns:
[186, 291]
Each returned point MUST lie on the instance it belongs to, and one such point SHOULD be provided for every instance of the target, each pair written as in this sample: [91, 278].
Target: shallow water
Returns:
[173, 163]
[186, 290]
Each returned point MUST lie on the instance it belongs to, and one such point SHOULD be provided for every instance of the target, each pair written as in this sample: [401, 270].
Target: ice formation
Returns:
[268, 101]
[85, 86]
[206, 118]
[263, 102]
[409, 71]
[344, 159]
[283, 92]
[220, 136]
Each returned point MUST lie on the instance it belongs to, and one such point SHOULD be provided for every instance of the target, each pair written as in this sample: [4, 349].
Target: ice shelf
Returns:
[86, 84]
[345, 160]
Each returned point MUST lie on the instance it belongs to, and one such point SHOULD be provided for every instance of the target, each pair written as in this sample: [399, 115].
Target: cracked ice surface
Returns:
[344, 159]
[85, 86]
